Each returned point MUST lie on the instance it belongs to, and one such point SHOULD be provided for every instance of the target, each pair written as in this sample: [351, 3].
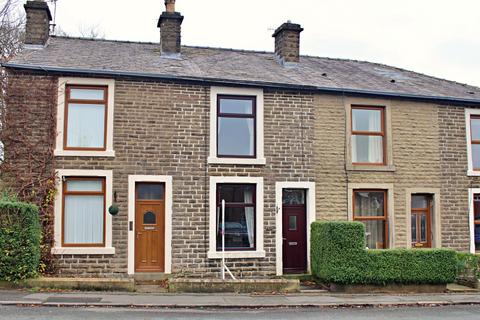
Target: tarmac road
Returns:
[463, 312]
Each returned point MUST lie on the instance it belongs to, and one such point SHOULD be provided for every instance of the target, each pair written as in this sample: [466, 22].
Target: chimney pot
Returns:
[287, 43]
[170, 5]
[37, 29]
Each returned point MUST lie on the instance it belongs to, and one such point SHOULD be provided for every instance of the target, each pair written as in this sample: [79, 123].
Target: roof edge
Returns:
[229, 82]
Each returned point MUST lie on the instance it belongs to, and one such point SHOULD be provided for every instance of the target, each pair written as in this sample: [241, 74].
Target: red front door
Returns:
[294, 231]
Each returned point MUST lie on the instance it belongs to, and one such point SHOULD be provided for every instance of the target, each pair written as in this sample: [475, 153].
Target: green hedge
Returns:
[338, 255]
[468, 265]
[19, 240]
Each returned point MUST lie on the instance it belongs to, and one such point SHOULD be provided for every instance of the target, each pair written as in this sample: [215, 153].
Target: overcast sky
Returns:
[436, 37]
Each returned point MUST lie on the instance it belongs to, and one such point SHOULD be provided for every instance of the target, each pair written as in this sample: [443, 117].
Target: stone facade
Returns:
[162, 128]
[455, 182]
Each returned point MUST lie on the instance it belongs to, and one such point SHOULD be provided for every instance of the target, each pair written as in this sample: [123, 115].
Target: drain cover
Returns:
[73, 299]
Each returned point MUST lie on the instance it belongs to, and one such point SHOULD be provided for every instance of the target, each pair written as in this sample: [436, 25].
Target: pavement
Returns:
[229, 301]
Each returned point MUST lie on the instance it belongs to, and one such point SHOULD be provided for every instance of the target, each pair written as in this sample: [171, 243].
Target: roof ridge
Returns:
[271, 52]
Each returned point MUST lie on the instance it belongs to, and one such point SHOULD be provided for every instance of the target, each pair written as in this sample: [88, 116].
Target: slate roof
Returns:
[237, 66]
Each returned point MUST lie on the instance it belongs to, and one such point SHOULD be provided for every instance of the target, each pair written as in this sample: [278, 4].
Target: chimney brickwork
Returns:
[287, 42]
[38, 22]
[170, 24]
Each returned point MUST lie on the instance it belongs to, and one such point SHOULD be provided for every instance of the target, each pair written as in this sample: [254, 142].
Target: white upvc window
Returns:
[472, 124]
[85, 117]
[82, 224]
[236, 126]
[243, 217]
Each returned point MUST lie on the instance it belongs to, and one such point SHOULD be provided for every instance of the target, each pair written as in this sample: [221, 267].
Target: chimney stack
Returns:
[287, 43]
[170, 24]
[37, 29]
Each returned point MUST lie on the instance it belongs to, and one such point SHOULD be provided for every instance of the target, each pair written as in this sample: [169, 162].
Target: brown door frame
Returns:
[418, 213]
[138, 226]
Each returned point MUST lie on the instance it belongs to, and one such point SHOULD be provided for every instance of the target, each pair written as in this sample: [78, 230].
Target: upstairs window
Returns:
[368, 135]
[85, 118]
[475, 141]
[236, 127]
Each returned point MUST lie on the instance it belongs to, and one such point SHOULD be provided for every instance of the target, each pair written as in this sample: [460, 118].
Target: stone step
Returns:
[149, 288]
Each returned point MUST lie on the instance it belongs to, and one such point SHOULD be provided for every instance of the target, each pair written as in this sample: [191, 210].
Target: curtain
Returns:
[250, 217]
[375, 147]
[86, 125]
[83, 219]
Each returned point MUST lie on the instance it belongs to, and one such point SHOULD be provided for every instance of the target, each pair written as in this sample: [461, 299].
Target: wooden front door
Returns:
[150, 227]
[294, 228]
[421, 221]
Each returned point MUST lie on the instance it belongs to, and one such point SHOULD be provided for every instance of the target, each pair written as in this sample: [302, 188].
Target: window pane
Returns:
[235, 137]
[476, 156]
[239, 228]
[150, 191]
[475, 128]
[414, 228]
[476, 206]
[293, 196]
[419, 202]
[149, 218]
[367, 149]
[369, 203]
[423, 228]
[236, 193]
[84, 185]
[366, 120]
[83, 219]
[86, 125]
[292, 223]
[86, 94]
[374, 233]
[236, 106]
[477, 237]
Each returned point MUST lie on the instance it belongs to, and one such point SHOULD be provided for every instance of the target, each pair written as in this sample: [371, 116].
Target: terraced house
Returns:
[165, 132]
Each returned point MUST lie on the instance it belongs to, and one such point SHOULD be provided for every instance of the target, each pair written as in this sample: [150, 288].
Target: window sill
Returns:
[79, 153]
[73, 250]
[354, 167]
[472, 173]
[236, 254]
[258, 161]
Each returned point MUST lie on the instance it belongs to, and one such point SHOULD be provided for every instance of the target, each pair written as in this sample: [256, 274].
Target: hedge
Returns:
[339, 255]
[19, 240]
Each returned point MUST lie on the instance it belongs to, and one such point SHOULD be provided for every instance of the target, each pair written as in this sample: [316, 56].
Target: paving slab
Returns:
[115, 299]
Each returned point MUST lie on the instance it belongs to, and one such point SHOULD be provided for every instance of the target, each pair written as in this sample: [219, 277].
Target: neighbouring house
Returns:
[166, 132]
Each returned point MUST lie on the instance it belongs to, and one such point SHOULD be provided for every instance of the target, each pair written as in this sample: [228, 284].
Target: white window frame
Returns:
[390, 205]
[259, 251]
[309, 187]
[471, 218]
[58, 249]
[168, 181]
[62, 84]
[468, 114]
[258, 93]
